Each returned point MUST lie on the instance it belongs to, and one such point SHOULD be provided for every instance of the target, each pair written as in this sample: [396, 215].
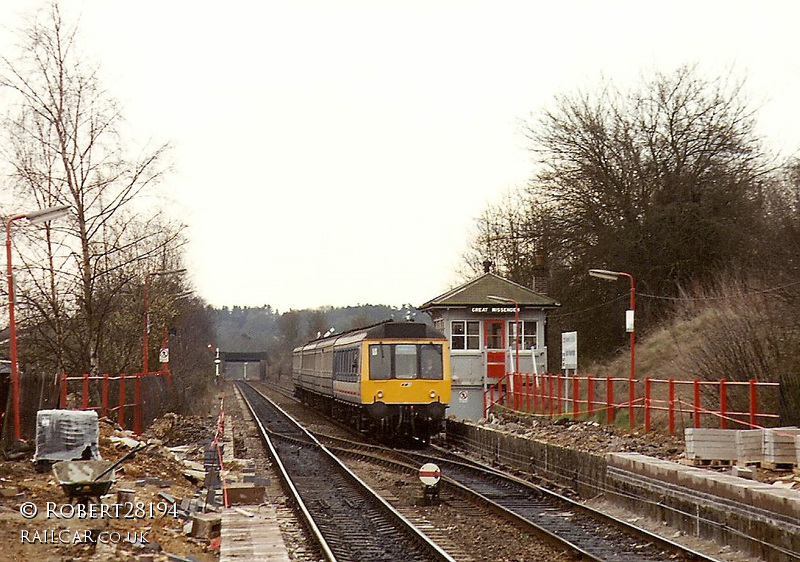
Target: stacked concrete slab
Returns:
[797, 448]
[779, 447]
[749, 446]
[771, 448]
[710, 446]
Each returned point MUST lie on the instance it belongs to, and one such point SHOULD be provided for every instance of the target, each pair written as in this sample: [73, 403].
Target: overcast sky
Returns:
[337, 152]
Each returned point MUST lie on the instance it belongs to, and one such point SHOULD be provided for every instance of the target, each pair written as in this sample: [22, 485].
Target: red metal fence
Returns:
[556, 395]
[135, 400]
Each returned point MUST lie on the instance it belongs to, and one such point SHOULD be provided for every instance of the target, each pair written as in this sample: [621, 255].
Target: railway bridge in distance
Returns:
[243, 365]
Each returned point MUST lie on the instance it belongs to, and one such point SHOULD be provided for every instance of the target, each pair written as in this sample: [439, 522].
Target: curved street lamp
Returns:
[629, 326]
[34, 217]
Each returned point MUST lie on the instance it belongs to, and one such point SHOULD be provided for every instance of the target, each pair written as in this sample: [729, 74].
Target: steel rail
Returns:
[427, 548]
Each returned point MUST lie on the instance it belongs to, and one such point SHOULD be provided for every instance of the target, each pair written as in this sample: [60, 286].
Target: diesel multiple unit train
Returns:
[390, 380]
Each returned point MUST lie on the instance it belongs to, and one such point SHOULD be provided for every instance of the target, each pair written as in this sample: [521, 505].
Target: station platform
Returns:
[251, 538]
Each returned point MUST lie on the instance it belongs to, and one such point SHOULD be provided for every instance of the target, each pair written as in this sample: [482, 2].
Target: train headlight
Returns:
[432, 394]
[380, 394]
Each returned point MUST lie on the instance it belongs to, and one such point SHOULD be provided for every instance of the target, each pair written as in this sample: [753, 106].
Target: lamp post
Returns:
[145, 365]
[629, 326]
[516, 325]
[34, 217]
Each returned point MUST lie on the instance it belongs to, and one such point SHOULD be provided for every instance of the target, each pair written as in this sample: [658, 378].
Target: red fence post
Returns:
[610, 400]
[753, 404]
[590, 394]
[576, 388]
[104, 403]
[63, 400]
[543, 392]
[85, 402]
[646, 404]
[696, 402]
[137, 405]
[121, 409]
[550, 392]
[631, 400]
[671, 392]
[545, 399]
[527, 392]
[723, 405]
[559, 392]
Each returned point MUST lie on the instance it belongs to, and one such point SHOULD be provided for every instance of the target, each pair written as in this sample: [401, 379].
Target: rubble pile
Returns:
[162, 482]
[173, 430]
[590, 436]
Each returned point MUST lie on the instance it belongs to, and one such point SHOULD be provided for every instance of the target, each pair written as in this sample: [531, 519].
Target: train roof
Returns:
[388, 329]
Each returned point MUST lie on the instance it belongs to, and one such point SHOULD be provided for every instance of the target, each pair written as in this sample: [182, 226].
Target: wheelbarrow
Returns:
[83, 481]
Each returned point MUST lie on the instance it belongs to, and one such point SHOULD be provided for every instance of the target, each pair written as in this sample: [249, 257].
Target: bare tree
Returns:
[514, 235]
[67, 147]
[665, 182]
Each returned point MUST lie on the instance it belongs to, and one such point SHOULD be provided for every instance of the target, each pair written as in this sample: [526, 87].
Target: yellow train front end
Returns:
[405, 380]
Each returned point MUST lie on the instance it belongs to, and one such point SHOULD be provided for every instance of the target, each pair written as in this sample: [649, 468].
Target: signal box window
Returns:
[465, 334]
[528, 329]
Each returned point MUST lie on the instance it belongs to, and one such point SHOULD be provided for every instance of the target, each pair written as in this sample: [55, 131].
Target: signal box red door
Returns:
[494, 338]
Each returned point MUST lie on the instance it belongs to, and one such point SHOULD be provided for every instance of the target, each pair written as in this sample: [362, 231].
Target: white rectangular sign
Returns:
[569, 350]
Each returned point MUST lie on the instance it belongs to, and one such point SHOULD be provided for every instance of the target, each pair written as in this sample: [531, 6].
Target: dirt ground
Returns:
[146, 531]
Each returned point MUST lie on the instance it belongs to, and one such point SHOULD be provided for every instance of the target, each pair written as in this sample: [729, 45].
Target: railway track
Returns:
[590, 534]
[565, 523]
[346, 518]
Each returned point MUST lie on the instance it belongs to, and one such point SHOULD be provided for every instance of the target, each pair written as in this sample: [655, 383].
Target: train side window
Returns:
[380, 362]
[405, 361]
[431, 362]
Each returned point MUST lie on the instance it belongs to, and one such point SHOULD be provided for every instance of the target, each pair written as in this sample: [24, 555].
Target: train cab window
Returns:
[431, 362]
[380, 362]
[405, 361]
